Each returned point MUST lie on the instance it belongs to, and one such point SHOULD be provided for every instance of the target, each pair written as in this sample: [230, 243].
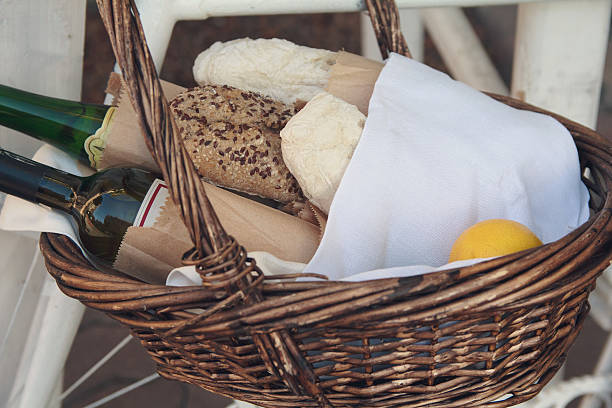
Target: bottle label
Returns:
[152, 204]
[94, 145]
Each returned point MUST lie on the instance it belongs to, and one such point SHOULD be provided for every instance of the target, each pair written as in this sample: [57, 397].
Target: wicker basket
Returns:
[497, 330]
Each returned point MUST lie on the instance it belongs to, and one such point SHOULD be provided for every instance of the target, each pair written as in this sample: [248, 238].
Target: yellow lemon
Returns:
[495, 237]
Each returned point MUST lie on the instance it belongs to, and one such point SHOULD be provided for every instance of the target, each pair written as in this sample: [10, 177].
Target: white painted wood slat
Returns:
[559, 56]
[41, 51]
[461, 49]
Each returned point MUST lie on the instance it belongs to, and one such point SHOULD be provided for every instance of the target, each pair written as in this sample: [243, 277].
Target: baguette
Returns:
[233, 139]
[272, 67]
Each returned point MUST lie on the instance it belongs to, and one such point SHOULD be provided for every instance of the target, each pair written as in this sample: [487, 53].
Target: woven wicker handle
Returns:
[126, 34]
[384, 16]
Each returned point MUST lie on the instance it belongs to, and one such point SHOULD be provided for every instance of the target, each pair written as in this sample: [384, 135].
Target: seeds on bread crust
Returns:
[233, 139]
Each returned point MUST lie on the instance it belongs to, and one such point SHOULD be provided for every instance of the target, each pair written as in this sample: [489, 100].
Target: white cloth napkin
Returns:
[435, 157]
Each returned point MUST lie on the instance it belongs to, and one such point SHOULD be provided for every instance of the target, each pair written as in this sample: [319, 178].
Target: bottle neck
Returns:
[37, 183]
[61, 123]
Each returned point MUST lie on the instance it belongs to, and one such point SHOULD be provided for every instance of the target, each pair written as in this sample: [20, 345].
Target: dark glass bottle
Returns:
[102, 206]
[73, 127]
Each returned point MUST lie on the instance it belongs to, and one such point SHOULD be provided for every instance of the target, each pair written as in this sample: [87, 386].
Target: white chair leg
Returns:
[558, 65]
[42, 51]
[461, 49]
[55, 401]
[559, 56]
[50, 341]
[158, 19]
[604, 366]
[22, 283]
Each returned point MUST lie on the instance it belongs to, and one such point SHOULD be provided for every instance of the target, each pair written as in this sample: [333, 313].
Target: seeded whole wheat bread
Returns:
[233, 139]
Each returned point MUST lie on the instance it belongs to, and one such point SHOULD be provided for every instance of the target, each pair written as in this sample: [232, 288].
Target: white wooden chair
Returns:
[558, 64]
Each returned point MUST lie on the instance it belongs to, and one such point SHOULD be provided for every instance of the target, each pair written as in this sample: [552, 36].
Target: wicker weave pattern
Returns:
[461, 337]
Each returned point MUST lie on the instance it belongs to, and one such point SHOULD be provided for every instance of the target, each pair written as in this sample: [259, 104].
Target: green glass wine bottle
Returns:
[76, 128]
[102, 206]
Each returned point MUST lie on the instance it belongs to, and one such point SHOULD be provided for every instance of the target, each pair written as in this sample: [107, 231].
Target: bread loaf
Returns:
[318, 144]
[273, 67]
[233, 139]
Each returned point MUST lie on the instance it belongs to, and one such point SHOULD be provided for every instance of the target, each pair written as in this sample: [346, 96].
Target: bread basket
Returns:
[491, 334]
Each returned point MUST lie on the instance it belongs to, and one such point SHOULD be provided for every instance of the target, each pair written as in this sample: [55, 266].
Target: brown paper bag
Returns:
[151, 252]
[124, 142]
[352, 79]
